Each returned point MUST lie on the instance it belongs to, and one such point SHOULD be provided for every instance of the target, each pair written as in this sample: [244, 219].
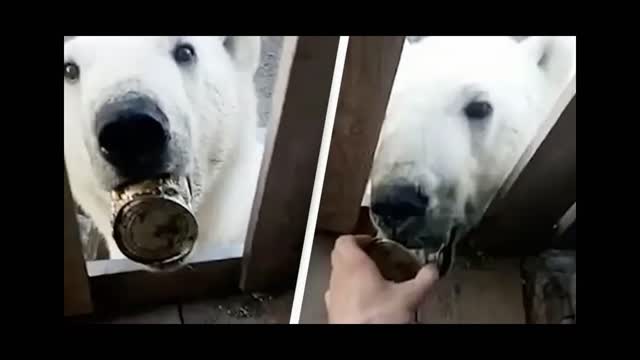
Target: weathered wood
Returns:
[273, 308]
[565, 235]
[490, 293]
[313, 309]
[550, 287]
[279, 217]
[126, 290]
[240, 309]
[521, 218]
[369, 72]
[106, 267]
[566, 220]
[77, 297]
[567, 240]
[167, 314]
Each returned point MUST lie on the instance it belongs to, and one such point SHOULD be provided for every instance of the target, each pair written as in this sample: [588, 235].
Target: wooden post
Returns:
[565, 222]
[369, 73]
[565, 234]
[126, 290]
[276, 232]
[77, 297]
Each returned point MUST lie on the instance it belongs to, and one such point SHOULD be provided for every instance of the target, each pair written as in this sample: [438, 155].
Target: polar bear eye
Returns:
[71, 71]
[184, 54]
[477, 110]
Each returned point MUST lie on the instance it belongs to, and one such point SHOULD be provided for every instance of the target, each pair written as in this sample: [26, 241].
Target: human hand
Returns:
[359, 294]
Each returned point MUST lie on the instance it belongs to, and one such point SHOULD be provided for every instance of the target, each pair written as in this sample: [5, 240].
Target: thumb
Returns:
[415, 290]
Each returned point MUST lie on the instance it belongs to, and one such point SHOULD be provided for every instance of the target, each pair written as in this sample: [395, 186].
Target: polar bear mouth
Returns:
[399, 263]
[419, 233]
[435, 243]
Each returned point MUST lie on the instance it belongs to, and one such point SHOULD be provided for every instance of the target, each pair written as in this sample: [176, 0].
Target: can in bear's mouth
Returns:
[398, 263]
[395, 262]
[153, 223]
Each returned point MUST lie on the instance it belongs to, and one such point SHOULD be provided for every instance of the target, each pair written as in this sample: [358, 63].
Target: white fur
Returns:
[426, 138]
[212, 113]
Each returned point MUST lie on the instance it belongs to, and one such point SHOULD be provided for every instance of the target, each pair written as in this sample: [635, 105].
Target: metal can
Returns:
[395, 262]
[153, 223]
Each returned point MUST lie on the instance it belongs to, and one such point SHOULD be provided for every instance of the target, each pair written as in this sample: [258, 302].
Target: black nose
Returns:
[133, 136]
[397, 203]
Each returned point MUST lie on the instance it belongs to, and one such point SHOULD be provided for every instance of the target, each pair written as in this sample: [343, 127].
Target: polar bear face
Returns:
[141, 107]
[461, 113]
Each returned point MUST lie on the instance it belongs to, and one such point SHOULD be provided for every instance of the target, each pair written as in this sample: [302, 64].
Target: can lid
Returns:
[154, 226]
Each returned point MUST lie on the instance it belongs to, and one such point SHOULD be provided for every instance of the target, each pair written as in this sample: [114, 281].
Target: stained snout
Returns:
[133, 136]
[396, 204]
[404, 213]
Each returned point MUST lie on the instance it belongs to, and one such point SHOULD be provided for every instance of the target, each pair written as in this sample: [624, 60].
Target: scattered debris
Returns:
[245, 306]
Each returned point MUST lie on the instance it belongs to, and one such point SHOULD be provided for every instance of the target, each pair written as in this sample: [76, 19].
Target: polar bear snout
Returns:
[133, 136]
[399, 202]
[396, 206]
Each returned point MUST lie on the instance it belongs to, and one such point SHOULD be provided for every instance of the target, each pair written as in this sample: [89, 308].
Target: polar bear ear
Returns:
[554, 55]
[245, 50]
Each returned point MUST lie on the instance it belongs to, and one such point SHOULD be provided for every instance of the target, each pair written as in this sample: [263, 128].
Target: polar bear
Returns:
[195, 106]
[461, 113]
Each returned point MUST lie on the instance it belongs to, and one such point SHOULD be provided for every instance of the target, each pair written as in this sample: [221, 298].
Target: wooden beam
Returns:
[77, 298]
[313, 309]
[566, 220]
[276, 231]
[165, 314]
[122, 284]
[542, 186]
[487, 293]
[565, 231]
[126, 290]
[369, 72]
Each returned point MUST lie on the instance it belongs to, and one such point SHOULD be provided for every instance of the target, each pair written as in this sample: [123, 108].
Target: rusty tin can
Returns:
[398, 263]
[153, 223]
[395, 262]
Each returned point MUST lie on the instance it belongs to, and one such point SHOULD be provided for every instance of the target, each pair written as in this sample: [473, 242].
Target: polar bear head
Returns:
[139, 107]
[461, 112]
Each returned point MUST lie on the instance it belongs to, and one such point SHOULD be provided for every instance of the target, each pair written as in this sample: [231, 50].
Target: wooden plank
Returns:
[279, 217]
[274, 308]
[167, 314]
[313, 309]
[521, 218]
[77, 298]
[121, 284]
[490, 293]
[127, 290]
[369, 72]
[566, 240]
[105, 267]
[240, 309]
[566, 220]
[565, 234]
